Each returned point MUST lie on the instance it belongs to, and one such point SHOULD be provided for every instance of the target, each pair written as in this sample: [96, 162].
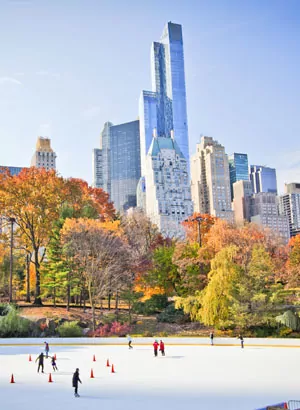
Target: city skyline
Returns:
[236, 84]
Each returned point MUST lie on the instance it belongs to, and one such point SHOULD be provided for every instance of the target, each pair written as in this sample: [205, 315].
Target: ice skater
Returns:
[162, 348]
[40, 358]
[47, 349]
[53, 364]
[129, 341]
[212, 338]
[242, 341]
[155, 346]
[75, 381]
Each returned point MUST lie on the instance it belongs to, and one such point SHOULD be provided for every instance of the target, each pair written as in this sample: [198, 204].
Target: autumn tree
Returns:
[164, 273]
[198, 222]
[33, 198]
[142, 238]
[293, 263]
[101, 255]
[191, 266]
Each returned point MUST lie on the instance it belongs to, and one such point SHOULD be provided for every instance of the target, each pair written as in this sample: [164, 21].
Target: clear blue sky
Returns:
[67, 66]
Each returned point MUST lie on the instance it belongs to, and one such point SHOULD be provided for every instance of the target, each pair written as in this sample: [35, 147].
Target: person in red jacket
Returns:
[155, 345]
[162, 348]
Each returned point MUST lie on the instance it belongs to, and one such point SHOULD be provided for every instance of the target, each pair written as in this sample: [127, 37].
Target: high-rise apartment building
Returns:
[238, 168]
[164, 108]
[242, 193]
[168, 196]
[264, 211]
[263, 179]
[289, 205]
[210, 182]
[44, 156]
[116, 164]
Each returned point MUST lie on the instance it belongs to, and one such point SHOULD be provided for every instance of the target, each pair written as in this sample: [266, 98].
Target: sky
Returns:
[68, 66]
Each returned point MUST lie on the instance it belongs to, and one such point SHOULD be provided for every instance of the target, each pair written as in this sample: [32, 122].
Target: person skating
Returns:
[162, 348]
[40, 358]
[242, 341]
[53, 363]
[155, 346]
[129, 341]
[75, 381]
[212, 338]
[47, 349]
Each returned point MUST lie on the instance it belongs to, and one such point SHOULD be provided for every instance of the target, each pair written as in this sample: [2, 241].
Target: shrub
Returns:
[289, 319]
[12, 325]
[153, 305]
[69, 329]
[111, 329]
[172, 315]
[5, 308]
[285, 332]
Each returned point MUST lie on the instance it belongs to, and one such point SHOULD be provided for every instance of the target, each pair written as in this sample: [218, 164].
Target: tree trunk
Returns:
[37, 296]
[54, 297]
[109, 299]
[117, 305]
[28, 259]
[92, 305]
[68, 292]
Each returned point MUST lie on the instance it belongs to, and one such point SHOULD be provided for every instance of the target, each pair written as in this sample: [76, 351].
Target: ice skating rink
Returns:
[188, 377]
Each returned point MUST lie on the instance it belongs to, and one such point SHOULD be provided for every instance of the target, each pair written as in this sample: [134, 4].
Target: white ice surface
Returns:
[188, 377]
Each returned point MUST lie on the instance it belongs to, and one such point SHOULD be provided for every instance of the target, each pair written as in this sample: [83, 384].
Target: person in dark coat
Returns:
[40, 358]
[155, 346]
[46, 349]
[212, 338]
[75, 381]
[162, 348]
[53, 363]
[242, 341]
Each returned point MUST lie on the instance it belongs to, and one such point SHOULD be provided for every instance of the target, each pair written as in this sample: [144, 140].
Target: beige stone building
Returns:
[210, 181]
[44, 156]
[242, 192]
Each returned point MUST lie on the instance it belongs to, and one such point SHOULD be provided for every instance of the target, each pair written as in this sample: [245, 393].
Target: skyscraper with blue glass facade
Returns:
[238, 168]
[164, 108]
[263, 179]
[116, 164]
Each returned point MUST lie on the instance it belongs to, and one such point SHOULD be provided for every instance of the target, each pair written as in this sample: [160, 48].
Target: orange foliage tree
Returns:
[33, 198]
[293, 263]
[191, 226]
[89, 202]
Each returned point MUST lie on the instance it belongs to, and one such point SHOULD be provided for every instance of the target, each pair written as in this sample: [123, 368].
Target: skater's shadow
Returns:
[173, 357]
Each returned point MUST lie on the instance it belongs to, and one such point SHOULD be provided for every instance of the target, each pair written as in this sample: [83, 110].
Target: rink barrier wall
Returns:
[85, 341]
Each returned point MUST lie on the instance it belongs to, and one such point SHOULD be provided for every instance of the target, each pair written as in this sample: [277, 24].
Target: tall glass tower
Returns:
[164, 108]
[116, 164]
[238, 168]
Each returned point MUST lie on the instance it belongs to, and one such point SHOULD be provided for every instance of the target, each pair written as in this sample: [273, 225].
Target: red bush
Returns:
[111, 329]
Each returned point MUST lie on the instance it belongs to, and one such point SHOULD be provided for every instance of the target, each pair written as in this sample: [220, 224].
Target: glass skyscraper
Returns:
[263, 179]
[164, 108]
[116, 165]
[238, 169]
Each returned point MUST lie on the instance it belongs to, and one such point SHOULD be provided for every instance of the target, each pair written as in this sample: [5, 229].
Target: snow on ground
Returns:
[188, 377]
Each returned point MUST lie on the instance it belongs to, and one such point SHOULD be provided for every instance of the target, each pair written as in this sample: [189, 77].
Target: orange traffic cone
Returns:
[107, 363]
[92, 374]
[12, 380]
[94, 358]
[112, 368]
[30, 358]
[50, 378]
